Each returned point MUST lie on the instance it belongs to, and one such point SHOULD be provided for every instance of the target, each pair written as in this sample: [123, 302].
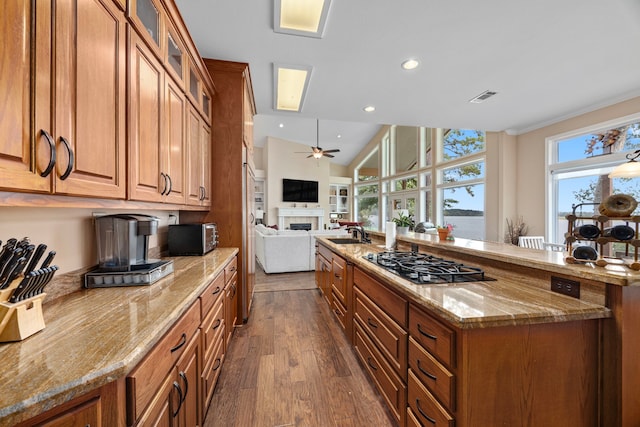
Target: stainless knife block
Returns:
[22, 319]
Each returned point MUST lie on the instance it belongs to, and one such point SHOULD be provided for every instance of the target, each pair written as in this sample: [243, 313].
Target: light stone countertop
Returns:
[505, 301]
[95, 336]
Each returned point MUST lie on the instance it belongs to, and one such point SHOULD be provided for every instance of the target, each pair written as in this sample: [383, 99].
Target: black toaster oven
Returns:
[192, 239]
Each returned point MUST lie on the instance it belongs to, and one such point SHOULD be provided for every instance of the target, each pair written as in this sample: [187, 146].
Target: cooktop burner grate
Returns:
[426, 269]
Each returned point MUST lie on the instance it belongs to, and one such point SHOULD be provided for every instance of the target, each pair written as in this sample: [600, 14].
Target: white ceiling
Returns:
[547, 59]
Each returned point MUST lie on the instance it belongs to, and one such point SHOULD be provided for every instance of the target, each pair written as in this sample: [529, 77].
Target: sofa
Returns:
[284, 251]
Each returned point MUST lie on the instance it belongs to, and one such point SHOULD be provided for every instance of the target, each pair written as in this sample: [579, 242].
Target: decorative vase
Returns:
[402, 230]
[443, 234]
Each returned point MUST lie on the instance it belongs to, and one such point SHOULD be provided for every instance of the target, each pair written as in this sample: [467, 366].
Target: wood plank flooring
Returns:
[291, 365]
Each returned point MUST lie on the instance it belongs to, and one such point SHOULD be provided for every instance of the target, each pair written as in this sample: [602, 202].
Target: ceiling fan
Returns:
[318, 152]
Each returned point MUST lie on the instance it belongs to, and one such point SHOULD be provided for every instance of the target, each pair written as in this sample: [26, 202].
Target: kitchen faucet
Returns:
[358, 229]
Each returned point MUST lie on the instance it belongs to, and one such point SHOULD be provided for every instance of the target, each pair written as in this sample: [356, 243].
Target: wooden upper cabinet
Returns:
[173, 147]
[175, 58]
[17, 162]
[76, 145]
[89, 107]
[147, 16]
[194, 87]
[199, 159]
[248, 111]
[146, 98]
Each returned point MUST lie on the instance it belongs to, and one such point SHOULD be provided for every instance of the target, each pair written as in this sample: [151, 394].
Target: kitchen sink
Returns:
[344, 241]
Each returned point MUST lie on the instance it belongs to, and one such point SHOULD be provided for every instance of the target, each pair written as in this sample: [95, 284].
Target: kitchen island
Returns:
[512, 347]
[94, 338]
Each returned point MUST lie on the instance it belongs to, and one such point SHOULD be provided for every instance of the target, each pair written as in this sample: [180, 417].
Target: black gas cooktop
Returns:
[426, 269]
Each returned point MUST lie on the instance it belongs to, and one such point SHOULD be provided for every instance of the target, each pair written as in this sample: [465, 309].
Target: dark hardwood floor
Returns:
[291, 365]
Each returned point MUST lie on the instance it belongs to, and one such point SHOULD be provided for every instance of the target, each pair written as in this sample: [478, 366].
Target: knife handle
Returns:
[36, 257]
[48, 259]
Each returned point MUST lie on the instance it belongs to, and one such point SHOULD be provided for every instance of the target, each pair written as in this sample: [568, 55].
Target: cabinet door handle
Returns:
[216, 365]
[204, 193]
[427, 417]
[170, 184]
[177, 387]
[217, 324]
[166, 184]
[52, 153]
[372, 323]
[252, 218]
[183, 341]
[374, 367]
[67, 172]
[433, 337]
[433, 377]
[186, 385]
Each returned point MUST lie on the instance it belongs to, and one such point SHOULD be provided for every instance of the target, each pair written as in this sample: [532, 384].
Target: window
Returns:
[402, 166]
[579, 166]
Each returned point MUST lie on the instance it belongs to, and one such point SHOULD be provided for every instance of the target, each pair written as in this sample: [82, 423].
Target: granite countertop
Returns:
[504, 301]
[95, 336]
[616, 274]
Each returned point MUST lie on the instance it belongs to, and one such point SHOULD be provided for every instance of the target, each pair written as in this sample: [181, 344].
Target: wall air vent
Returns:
[482, 97]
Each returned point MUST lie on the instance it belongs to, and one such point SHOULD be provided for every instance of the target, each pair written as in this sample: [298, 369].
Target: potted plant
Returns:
[403, 223]
[444, 231]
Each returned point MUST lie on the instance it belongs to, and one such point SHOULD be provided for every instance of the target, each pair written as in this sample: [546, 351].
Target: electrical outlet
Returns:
[565, 286]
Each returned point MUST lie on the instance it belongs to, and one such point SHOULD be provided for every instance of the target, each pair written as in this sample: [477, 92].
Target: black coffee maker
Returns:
[123, 241]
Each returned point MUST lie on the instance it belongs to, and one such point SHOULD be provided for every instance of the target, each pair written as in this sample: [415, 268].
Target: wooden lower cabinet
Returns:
[432, 373]
[100, 407]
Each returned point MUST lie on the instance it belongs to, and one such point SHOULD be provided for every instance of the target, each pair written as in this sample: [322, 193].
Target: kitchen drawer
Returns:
[339, 310]
[390, 338]
[213, 292]
[425, 407]
[339, 278]
[432, 374]
[213, 327]
[230, 269]
[390, 302]
[146, 378]
[211, 372]
[387, 381]
[435, 337]
[325, 252]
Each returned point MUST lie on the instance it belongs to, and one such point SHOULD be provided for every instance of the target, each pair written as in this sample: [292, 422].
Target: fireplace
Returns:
[300, 226]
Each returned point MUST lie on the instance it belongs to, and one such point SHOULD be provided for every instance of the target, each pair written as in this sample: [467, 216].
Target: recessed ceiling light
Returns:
[369, 108]
[290, 86]
[339, 136]
[410, 64]
[301, 17]
[281, 125]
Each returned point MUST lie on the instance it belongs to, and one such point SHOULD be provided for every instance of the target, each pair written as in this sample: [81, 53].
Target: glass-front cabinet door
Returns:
[175, 56]
[147, 17]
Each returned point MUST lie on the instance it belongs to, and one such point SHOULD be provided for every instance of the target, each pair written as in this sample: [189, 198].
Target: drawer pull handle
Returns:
[216, 290]
[428, 418]
[52, 155]
[433, 337]
[67, 172]
[186, 385]
[177, 387]
[433, 377]
[217, 324]
[183, 341]
[372, 323]
[217, 365]
[374, 367]
[338, 312]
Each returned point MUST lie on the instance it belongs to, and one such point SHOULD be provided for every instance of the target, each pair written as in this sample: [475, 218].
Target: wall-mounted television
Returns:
[297, 190]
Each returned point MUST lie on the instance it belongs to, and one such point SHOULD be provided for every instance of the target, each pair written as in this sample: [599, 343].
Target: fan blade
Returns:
[332, 151]
[328, 155]
[310, 155]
